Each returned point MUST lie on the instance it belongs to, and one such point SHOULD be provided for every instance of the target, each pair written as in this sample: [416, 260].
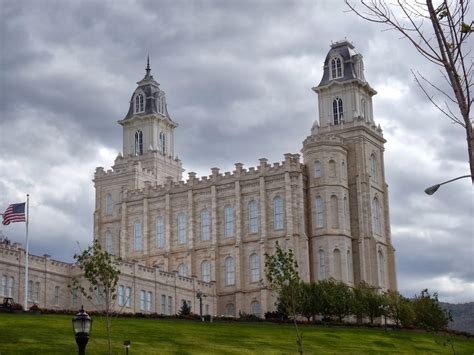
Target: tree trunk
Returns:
[107, 326]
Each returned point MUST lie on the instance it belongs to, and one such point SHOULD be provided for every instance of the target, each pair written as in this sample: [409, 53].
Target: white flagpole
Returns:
[27, 251]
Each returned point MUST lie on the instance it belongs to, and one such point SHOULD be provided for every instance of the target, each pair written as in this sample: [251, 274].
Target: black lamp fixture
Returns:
[82, 324]
[432, 189]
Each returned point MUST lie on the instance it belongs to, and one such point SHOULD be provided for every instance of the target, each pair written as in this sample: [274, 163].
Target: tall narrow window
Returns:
[163, 143]
[277, 213]
[36, 296]
[332, 168]
[377, 225]
[108, 241]
[138, 143]
[128, 296]
[3, 290]
[253, 217]
[30, 291]
[163, 304]
[11, 286]
[254, 268]
[120, 296]
[229, 271]
[142, 300]
[255, 309]
[139, 103]
[149, 301]
[205, 225]
[206, 271]
[319, 211]
[182, 270]
[334, 212]
[74, 297]
[317, 169]
[337, 111]
[363, 108]
[170, 305]
[337, 265]
[322, 265]
[182, 228]
[381, 269]
[350, 276]
[56, 296]
[160, 232]
[346, 214]
[228, 221]
[137, 234]
[336, 68]
[108, 205]
[373, 166]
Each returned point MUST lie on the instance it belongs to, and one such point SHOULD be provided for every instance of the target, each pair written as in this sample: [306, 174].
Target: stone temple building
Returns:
[329, 205]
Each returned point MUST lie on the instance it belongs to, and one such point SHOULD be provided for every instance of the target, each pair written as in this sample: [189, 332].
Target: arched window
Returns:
[108, 204]
[163, 143]
[334, 212]
[277, 213]
[160, 232]
[206, 271]
[229, 271]
[139, 103]
[253, 217]
[149, 301]
[230, 310]
[377, 225]
[138, 143]
[108, 241]
[373, 166]
[254, 268]
[317, 169]
[322, 265]
[228, 221]
[319, 207]
[337, 111]
[255, 308]
[205, 225]
[381, 269]
[346, 214]
[336, 68]
[182, 270]
[337, 265]
[363, 109]
[182, 228]
[332, 168]
[350, 276]
[137, 234]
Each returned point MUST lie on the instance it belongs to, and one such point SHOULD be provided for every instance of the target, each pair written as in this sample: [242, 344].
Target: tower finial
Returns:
[148, 66]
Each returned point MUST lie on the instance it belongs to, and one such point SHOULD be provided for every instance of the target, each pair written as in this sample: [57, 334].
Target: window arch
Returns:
[108, 205]
[182, 270]
[228, 221]
[377, 224]
[319, 207]
[254, 268]
[336, 68]
[139, 103]
[137, 234]
[322, 265]
[206, 271]
[108, 241]
[205, 225]
[163, 143]
[230, 310]
[255, 308]
[334, 212]
[182, 228]
[337, 111]
[332, 168]
[337, 264]
[381, 269]
[373, 166]
[138, 142]
[253, 217]
[277, 213]
[317, 169]
[160, 232]
[229, 271]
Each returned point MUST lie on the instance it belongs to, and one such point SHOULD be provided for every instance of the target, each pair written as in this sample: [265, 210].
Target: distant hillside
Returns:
[463, 316]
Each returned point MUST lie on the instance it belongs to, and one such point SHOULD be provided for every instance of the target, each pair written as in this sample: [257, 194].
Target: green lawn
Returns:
[52, 334]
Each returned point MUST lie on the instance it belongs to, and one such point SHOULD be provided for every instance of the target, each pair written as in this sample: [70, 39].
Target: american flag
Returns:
[14, 213]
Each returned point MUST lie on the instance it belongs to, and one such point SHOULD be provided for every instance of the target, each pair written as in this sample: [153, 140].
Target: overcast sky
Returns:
[238, 78]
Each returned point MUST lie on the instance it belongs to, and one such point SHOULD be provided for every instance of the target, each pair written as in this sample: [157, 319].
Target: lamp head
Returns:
[82, 322]
[432, 189]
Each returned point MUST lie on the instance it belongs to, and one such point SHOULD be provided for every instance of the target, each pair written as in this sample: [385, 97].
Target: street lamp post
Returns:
[82, 324]
[126, 345]
[432, 189]
[200, 295]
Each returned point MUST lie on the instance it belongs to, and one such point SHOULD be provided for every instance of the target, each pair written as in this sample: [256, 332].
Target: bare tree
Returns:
[443, 43]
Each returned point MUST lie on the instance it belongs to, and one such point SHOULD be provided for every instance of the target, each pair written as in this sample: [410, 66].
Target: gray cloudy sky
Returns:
[238, 78]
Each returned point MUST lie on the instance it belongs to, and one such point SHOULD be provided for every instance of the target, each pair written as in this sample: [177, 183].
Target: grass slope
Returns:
[52, 334]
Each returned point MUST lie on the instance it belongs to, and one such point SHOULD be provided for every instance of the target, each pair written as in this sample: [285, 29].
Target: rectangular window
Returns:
[74, 297]
[3, 290]
[228, 221]
[30, 291]
[170, 305]
[108, 241]
[253, 217]
[120, 295]
[182, 228]
[149, 301]
[142, 300]
[205, 225]
[128, 297]
[160, 232]
[277, 213]
[254, 268]
[56, 296]
[36, 298]
[137, 236]
[163, 304]
[319, 212]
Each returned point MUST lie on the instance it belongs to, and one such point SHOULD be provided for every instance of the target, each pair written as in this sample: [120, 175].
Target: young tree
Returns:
[310, 303]
[428, 312]
[101, 270]
[185, 309]
[368, 302]
[438, 33]
[399, 309]
[282, 276]
[336, 299]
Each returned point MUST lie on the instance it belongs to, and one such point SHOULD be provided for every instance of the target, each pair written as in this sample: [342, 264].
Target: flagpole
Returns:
[27, 250]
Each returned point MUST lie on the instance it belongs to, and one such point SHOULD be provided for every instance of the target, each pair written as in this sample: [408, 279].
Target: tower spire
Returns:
[148, 65]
